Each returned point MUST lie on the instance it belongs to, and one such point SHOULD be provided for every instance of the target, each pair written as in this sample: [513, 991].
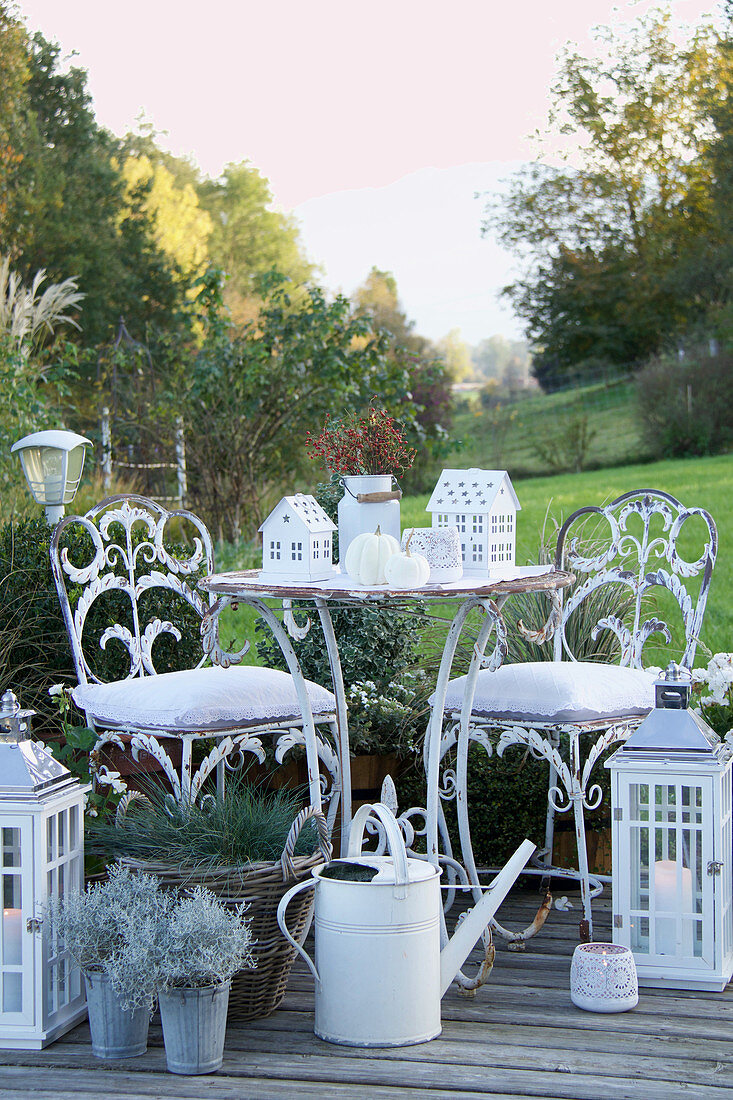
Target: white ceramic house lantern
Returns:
[297, 541]
[52, 462]
[483, 506]
[41, 856]
[671, 836]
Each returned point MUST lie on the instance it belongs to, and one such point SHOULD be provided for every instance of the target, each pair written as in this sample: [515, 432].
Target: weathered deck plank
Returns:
[520, 1037]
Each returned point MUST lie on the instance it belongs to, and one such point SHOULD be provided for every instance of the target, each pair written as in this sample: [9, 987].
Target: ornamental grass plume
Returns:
[372, 443]
[247, 825]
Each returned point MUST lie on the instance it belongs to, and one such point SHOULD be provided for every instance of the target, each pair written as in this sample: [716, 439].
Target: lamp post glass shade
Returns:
[52, 462]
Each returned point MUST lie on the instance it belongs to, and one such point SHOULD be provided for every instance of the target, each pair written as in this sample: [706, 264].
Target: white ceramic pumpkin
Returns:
[367, 556]
[407, 570]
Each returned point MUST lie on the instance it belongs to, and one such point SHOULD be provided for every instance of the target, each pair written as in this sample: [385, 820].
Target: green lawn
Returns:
[700, 482]
[505, 437]
[546, 501]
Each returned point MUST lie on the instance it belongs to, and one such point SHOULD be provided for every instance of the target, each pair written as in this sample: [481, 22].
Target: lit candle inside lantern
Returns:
[12, 942]
[666, 899]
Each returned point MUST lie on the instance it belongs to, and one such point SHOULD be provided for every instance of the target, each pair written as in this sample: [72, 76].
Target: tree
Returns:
[430, 392]
[456, 355]
[251, 397]
[600, 240]
[248, 237]
[13, 79]
[505, 361]
[180, 228]
[68, 211]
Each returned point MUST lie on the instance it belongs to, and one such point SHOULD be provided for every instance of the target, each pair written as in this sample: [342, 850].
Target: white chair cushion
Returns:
[560, 691]
[200, 699]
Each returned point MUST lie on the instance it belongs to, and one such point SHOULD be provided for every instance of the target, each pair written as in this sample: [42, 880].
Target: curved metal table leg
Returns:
[342, 721]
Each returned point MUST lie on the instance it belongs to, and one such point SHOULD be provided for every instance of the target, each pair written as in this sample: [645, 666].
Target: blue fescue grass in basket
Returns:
[245, 826]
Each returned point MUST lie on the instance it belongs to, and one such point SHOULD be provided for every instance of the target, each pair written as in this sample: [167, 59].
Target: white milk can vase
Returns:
[116, 1032]
[369, 501]
[194, 1026]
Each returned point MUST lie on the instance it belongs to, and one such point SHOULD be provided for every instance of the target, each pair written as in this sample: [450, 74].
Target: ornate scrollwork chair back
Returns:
[120, 560]
[126, 575]
[637, 547]
[643, 565]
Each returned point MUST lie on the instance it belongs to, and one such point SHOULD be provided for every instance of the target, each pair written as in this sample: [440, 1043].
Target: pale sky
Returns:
[375, 122]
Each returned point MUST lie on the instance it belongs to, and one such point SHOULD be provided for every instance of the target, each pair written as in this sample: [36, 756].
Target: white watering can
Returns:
[379, 970]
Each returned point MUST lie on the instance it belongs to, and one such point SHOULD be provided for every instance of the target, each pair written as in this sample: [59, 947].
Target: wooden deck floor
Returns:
[520, 1037]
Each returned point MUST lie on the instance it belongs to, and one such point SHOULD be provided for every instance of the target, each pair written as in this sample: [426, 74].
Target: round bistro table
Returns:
[251, 588]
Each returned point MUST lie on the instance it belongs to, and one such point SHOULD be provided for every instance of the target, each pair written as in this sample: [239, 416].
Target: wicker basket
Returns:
[257, 992]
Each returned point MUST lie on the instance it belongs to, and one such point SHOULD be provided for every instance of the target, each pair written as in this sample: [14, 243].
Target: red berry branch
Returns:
[368, 444]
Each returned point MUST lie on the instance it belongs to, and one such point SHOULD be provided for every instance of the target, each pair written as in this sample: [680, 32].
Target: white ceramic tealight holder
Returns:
[603, 978]
[441, 546]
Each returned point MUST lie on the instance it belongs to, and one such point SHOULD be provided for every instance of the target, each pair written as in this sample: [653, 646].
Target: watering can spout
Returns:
[457, 950]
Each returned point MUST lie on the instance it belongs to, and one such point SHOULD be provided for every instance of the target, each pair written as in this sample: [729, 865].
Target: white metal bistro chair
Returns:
[641, 545]
[125, 582]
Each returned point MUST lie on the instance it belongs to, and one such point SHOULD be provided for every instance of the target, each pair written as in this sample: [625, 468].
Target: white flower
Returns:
[57, 689]
[112, 779]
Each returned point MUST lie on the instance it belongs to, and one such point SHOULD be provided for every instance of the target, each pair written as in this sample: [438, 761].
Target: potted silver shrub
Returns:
[197, 946]
[104, 931]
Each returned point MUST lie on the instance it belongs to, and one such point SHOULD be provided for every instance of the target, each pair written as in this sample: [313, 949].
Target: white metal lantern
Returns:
[41, 856]
[52, 462]
[671, 835]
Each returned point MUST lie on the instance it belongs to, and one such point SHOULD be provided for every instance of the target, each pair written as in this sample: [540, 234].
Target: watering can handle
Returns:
[288, 871]
[394, 839]
[285, 900]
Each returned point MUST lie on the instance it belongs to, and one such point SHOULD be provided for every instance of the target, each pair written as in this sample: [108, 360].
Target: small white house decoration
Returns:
[671, 836]
[483, 506]
[297, 540]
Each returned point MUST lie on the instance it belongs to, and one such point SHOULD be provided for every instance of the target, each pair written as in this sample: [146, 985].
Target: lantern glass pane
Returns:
[73, 828]
[11, 847]
[639, 868]
[640, 934]
[639, 801]
[51, 839]
[12, 992]
[12, 920]
[45, 470]
[62, 833]
[73, 472]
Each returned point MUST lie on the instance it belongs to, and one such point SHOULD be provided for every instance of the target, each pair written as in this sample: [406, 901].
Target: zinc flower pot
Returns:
[117, 1032]
[194, 1026]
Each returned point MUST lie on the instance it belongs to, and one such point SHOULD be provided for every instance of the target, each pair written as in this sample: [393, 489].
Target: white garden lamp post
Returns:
[671, 834]
[52, 462]
[41, 856]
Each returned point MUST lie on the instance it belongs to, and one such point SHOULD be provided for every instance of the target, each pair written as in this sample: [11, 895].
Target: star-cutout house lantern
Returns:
[483, 506]
[297, 541]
